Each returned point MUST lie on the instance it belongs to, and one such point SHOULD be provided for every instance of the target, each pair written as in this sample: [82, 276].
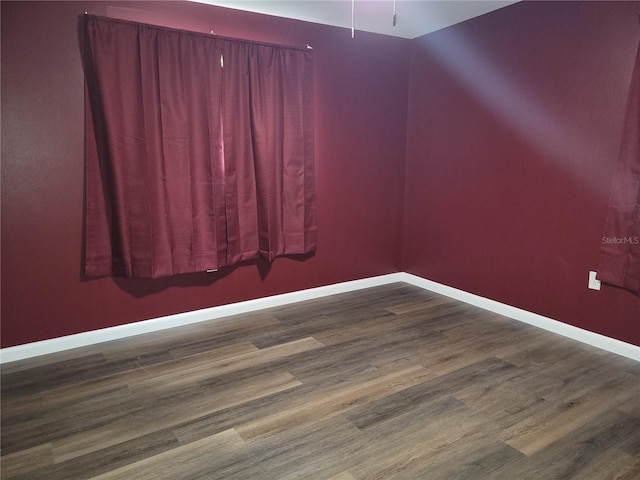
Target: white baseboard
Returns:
[29, 350]
[605, 343]
[34, 349]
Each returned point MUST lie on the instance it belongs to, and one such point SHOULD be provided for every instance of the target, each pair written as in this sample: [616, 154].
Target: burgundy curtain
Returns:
[199, 151]
[620, 251]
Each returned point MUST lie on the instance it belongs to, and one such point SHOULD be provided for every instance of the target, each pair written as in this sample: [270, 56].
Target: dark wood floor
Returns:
[386, 383]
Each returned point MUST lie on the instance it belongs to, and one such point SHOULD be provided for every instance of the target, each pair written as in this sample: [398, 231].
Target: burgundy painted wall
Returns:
[513, 133]
[360, 144]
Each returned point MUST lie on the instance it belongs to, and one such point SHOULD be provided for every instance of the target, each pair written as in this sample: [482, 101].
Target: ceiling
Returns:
[414, 18]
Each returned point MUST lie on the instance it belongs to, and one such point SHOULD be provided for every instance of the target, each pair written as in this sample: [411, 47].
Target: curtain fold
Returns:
[280, 134]
[194, 158]
[619, 263]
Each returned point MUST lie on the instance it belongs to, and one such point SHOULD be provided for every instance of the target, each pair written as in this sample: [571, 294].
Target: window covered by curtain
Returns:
[199, 151]
[620, 252]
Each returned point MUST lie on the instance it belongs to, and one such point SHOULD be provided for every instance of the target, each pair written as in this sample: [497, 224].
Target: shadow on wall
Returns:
[143, 287]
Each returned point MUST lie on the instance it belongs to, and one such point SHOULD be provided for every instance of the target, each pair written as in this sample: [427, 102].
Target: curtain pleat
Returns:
[242, 219]
[199, 151]
[619, 263]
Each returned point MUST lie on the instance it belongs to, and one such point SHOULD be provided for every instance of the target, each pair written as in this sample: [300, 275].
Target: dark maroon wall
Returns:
[513, 132]
[360, 139]
[513, 128]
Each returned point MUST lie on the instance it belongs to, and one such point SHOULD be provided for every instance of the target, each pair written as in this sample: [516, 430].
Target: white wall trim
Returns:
[34, 349]
[585, 336]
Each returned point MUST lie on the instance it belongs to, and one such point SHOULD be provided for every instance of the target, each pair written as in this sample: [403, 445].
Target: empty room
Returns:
[329, 240]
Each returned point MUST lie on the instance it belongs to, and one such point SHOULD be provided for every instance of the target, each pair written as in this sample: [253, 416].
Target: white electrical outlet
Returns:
[594, 283]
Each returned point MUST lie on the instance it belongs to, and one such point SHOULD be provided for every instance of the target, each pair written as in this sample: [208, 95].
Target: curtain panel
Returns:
[199, 151]
[620, 251]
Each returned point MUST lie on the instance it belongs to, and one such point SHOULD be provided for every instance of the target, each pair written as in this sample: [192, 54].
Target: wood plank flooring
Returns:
[387, 383]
